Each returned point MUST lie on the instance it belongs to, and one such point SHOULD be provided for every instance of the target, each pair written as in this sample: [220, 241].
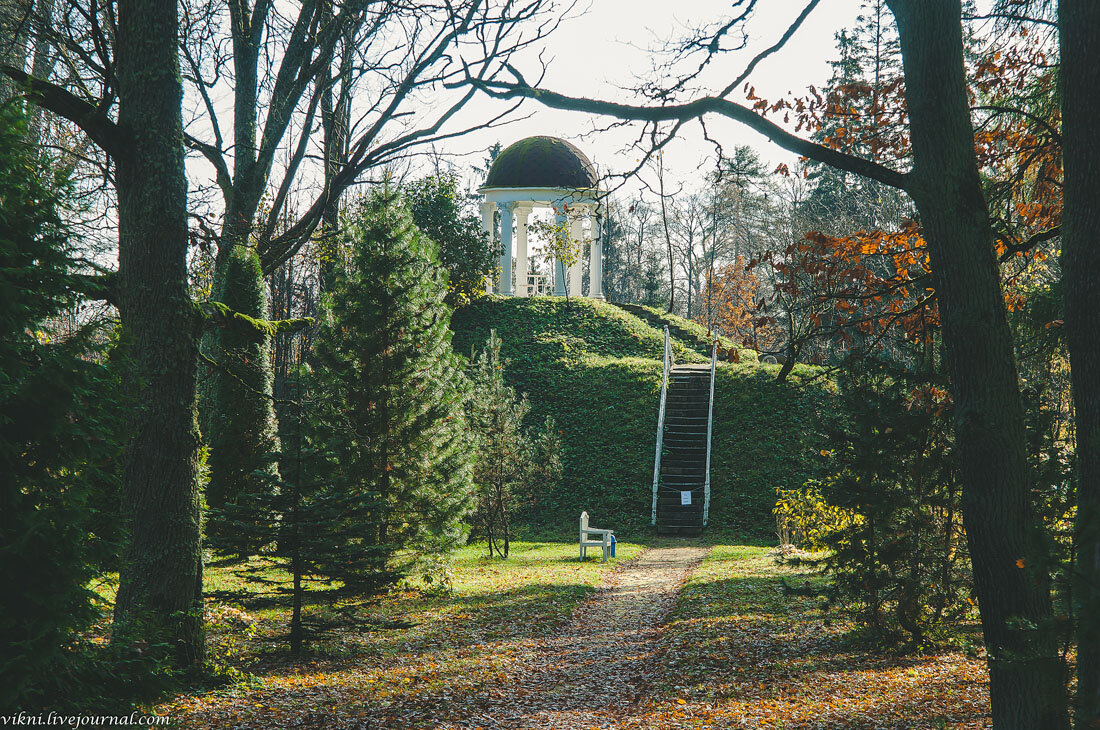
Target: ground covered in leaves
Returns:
[541, 640]
[741, 651]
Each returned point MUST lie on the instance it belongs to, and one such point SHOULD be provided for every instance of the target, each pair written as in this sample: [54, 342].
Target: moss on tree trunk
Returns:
[1079, 22]
[160, 582]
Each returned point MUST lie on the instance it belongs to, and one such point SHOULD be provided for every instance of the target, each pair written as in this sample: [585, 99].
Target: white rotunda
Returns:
[542, 172]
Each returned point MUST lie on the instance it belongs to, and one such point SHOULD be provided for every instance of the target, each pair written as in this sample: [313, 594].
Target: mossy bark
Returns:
[160, 582]
[241, 430]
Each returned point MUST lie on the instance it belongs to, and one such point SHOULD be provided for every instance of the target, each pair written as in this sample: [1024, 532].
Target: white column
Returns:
[487, 210]
[522, 214]
[595, 259]
[559, 267]
[576, 271]
[504, 281]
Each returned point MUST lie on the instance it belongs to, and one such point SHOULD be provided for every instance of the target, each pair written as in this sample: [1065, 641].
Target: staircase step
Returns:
[685, 465]
[695, 471]
[676, 531]
[671, 506]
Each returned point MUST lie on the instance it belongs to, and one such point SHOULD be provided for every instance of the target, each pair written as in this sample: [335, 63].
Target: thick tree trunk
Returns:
[160, 582]
[1079, 22]
[1006, 549]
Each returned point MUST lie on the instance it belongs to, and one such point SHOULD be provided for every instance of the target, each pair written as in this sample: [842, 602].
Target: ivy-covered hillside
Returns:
[597, 370]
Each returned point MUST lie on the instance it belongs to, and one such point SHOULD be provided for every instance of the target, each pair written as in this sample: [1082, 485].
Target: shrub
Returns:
[804, 519]
[513, 461]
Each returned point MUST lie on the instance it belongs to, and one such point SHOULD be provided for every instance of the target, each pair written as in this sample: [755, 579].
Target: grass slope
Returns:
[692, 334]
[597, 370]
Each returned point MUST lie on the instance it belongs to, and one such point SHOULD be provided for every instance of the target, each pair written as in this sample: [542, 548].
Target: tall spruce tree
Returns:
[388, 396]
[53, 427]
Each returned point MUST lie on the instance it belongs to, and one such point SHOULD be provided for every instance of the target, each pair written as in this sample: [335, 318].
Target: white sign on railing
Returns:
[685, 497]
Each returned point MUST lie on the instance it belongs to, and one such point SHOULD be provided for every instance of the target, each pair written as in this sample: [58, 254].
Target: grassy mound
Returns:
[597, 370]
[692, 334]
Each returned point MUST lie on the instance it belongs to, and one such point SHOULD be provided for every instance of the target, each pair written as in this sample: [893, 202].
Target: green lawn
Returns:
[394, 656]
[736, 651]
[741, 651]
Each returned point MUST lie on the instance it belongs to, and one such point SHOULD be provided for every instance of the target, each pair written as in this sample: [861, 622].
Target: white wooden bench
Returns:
[592, 537]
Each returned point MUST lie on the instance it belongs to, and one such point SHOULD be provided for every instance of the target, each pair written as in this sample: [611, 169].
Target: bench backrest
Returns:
[584, 521]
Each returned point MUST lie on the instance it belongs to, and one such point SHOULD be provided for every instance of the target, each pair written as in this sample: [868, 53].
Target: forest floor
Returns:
[682, 634]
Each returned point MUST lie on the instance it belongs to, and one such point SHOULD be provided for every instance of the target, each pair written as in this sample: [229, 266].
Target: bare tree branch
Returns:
[690, 110]
[92, 120]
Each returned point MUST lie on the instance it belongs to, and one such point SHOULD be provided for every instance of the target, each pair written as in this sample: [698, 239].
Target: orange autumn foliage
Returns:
[870, 281]
[733, 293]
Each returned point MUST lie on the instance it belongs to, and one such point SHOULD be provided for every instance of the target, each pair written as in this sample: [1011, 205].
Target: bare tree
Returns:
[359, 70]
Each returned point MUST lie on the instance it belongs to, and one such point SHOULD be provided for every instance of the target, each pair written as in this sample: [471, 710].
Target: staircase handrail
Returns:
[668, 361]
[710, 429]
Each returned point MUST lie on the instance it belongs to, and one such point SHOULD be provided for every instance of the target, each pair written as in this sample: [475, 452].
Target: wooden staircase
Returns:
[684, 452]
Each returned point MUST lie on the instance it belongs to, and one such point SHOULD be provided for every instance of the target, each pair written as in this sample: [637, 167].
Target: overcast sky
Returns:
[608, 47]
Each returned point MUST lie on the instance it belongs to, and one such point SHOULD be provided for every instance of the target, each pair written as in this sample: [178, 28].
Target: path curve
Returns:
[592, 671]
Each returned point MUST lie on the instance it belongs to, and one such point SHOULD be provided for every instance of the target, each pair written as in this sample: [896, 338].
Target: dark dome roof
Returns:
[541, 162]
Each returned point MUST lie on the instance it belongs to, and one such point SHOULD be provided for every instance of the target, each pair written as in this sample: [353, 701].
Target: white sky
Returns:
[606, 49]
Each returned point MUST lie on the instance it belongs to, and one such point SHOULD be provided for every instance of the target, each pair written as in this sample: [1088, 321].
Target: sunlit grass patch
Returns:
[402, 655]
[740, 650]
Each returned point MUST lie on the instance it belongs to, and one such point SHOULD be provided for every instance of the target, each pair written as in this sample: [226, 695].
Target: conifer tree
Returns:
[512, 460]
[53, 429]
[388, 396]
[241, 431]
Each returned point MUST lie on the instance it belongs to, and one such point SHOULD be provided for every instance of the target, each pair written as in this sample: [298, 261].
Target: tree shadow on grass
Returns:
[409, 623]
[456, 653]
[754, 655]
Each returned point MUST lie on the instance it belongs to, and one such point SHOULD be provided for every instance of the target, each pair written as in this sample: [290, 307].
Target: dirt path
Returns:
[592, 671]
